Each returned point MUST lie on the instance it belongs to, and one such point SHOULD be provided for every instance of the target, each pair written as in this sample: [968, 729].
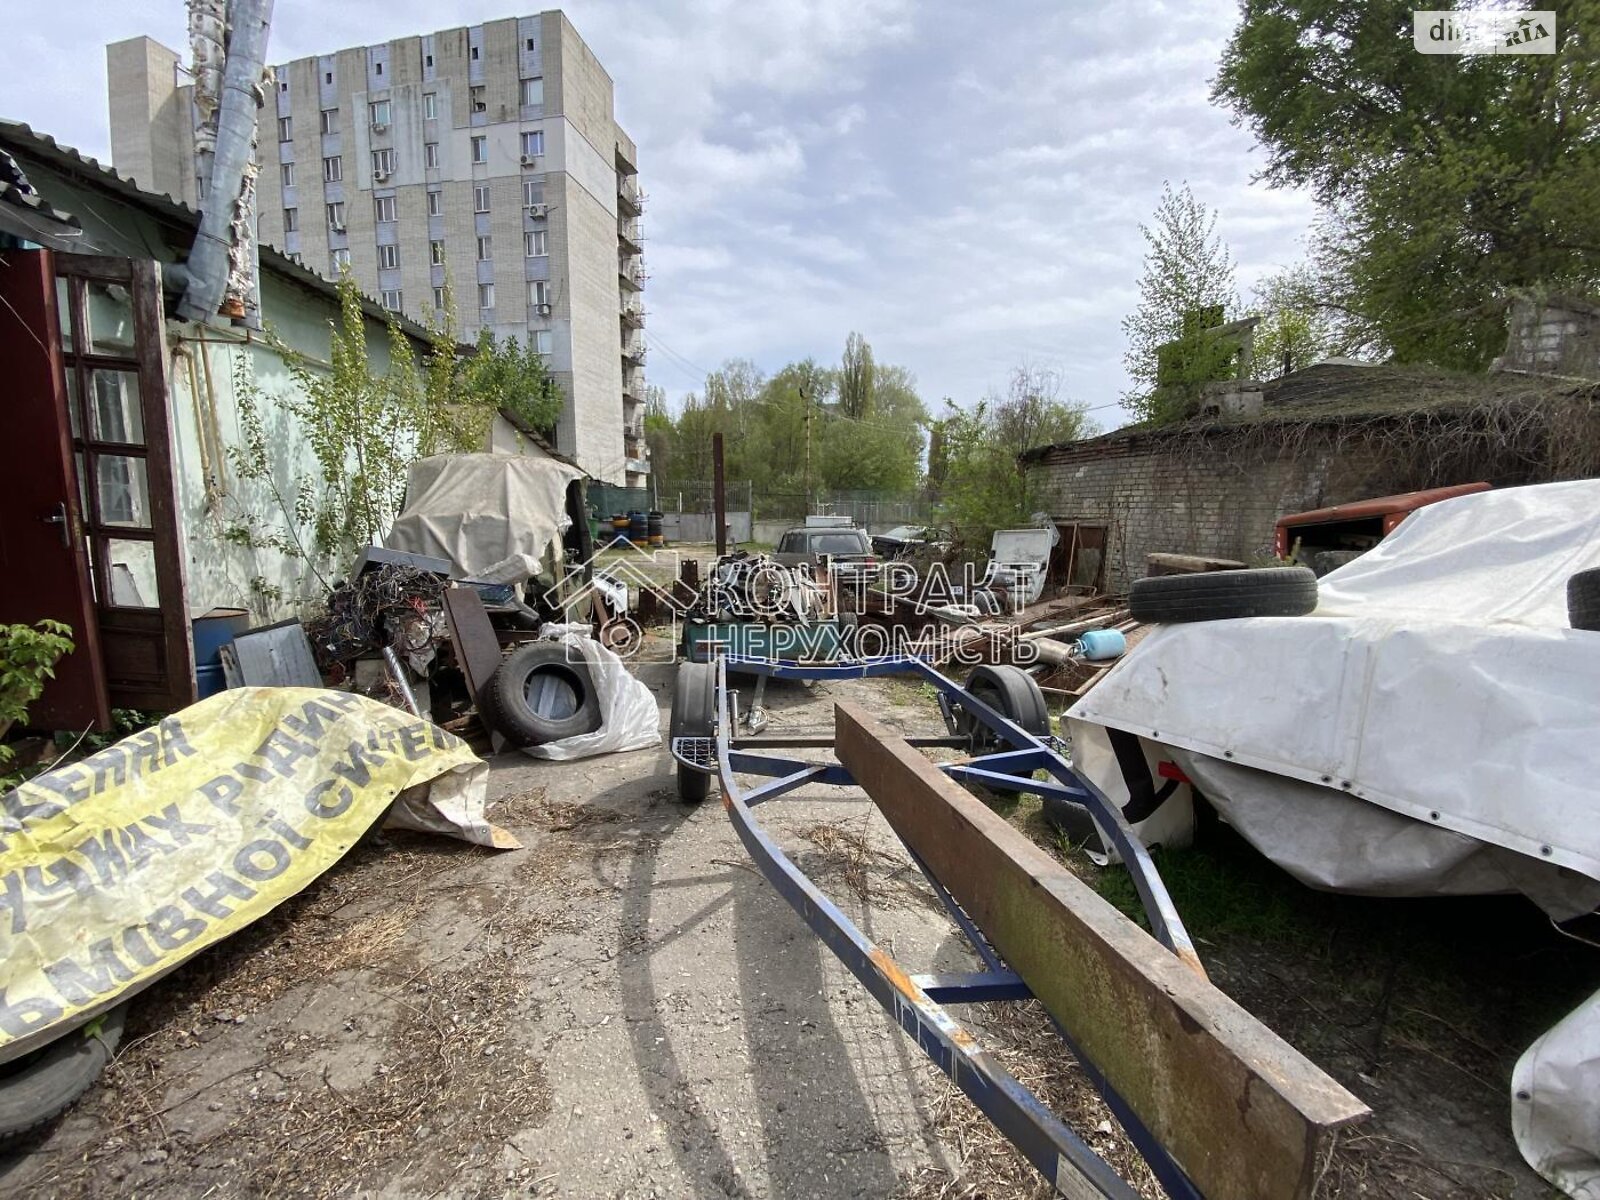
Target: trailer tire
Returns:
[1223, 595]
[566, 704]
[1015, 695]
[694, 714]
[1583, 599]
[1072, 820]
[42, 1085]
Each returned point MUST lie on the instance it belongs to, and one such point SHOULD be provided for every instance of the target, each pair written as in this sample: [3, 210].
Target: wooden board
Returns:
[1242, 1111]
[477, 647]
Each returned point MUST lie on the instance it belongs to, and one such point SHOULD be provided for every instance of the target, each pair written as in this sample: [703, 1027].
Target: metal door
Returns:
[43, 555]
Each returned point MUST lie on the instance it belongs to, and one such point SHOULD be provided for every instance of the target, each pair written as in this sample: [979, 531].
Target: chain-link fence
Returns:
[867, 508]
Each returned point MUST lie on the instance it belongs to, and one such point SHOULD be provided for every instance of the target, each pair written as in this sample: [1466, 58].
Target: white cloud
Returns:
[962, 184]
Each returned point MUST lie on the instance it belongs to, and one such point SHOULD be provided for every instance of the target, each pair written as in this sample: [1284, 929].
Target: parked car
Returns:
[1327, 538]
[807, 545]
[903, 539]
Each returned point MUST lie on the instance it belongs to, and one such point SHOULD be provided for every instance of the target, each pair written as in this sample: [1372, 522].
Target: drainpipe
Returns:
[215, 259]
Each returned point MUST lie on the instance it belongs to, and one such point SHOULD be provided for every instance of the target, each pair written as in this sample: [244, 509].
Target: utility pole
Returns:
[719, 500]
[805, 402]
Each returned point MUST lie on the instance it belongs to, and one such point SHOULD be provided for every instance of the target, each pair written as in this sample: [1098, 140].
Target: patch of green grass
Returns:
[1223, 888]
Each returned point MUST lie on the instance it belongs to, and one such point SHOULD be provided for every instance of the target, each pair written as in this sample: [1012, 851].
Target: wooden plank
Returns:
[1242, 1111]
[477, 647]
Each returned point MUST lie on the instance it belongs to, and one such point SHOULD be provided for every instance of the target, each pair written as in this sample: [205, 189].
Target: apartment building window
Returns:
[287, 171]
[332, 169]
[535, 243]
[291, 220]
[382, 162]
[480, 197]
[532, 45]
[383, 208]
[486, 295]
[427, 60]
[330, 119]
[328, 77]
[480, 149]
[541, 341]
[538, 292]
[532, 192]
[436, 204]
[436, 253]
[391, 300]
[533, 91]
[480, 98]
[380, 112]
[286, 129]
[485, 249]
[336, 216]
[430, 154]
[474, 54]
[438, 299]
[388, 258]
[430, 106]
[341, 259]
[533, 143]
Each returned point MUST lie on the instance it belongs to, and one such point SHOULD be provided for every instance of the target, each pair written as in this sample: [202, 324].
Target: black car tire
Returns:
[1223, 595]
[1583, 599]
[40, 1086]
[525, 721]
[1015, 695]
[694, 714]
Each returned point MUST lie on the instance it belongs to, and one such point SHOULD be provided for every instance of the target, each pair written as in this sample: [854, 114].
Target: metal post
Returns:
[719, 500]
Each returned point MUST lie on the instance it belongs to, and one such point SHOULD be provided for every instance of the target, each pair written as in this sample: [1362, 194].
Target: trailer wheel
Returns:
[848, 623]
[1222, 595]
[1014, 694]
[694, 714]
[40, 1086]
[541, 694]
[1583, 599]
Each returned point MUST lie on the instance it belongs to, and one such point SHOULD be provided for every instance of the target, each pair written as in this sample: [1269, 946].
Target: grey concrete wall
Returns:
[1554, 337]
[701, 527]
[149, 117]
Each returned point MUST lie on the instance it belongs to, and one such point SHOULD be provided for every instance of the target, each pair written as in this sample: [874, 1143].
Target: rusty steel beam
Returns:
[1245, 1114]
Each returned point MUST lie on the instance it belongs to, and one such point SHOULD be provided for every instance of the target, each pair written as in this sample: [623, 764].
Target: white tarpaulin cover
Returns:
[1429, 729]
[492, 515]
[630, 719]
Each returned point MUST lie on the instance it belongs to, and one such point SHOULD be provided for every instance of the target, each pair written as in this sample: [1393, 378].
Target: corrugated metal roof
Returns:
[24, 141]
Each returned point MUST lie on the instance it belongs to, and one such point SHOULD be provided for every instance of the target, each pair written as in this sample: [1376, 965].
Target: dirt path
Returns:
[626, 1009]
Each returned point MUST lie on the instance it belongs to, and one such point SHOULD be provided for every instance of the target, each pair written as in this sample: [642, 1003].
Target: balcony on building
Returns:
[629, 240]
[630, 196]
[632, 312]
[632, 275]
[633, 352]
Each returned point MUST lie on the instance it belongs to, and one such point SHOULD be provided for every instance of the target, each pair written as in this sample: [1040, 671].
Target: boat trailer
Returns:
[1216, 1103]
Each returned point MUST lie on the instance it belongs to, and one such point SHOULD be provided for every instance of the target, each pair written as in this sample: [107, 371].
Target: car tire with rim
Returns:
[1224, 595]
[540, 694]
[1013, 693]
[694, 714]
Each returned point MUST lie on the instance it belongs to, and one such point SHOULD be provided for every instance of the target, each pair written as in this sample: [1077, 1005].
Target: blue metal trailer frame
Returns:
[917, 1001]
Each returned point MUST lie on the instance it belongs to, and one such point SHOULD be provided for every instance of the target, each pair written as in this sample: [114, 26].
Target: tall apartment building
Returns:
[487, 156]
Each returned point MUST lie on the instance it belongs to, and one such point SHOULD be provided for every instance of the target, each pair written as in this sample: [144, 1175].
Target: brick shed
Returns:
[1328, 434]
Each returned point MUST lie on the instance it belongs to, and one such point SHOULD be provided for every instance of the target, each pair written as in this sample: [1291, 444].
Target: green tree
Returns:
[1188, 271]
[981, 482]
[1295, 329]
[510, 374]
[857, 376]
[1450, 183]
[882, 452]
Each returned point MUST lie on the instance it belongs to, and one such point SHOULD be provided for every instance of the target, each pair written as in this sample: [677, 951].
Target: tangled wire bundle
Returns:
[387, 606]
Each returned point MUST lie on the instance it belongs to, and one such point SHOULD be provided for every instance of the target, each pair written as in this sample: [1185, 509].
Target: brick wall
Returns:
[1555, 336]
[1211, 494]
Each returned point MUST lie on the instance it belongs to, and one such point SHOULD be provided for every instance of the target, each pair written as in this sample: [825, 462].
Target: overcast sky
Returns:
[962, 183]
